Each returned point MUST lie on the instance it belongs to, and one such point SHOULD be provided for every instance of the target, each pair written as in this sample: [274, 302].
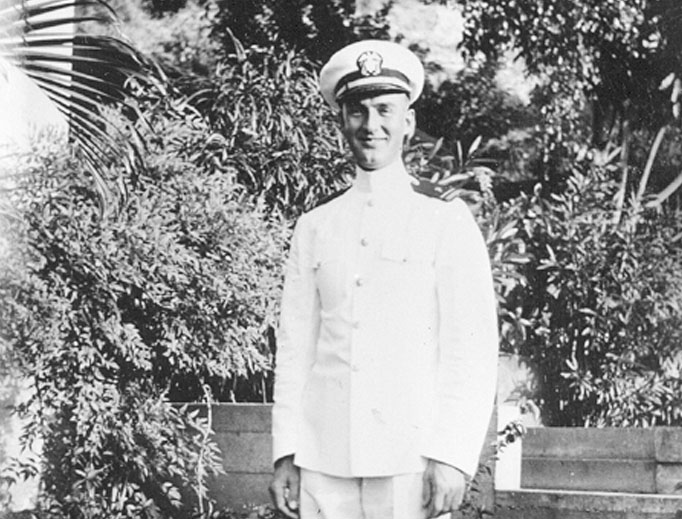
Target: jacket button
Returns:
[364, 242]
[370, 202]
[359, 281]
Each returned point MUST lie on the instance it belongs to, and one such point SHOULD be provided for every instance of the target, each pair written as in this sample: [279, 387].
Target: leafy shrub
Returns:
[315, 29]
[590, 296]
[471, 104]
[111, 316]
[602, 302]
[180, 40]
[272, 127]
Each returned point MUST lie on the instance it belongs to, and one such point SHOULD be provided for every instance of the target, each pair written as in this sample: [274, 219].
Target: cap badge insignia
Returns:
[370, 63]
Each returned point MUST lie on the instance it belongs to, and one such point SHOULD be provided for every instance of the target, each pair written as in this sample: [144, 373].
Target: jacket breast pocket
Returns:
[407, 273]
[415, 254]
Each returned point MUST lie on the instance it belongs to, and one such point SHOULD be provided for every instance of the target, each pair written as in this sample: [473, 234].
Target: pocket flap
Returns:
[394, 250]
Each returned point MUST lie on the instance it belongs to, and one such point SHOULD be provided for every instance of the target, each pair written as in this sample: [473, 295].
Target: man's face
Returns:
[375, 128]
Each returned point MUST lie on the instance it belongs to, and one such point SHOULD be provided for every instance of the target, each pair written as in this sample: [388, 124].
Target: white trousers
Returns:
[329, 497]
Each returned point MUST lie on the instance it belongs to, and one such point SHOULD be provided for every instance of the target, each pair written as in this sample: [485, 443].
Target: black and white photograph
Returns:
[340, 259]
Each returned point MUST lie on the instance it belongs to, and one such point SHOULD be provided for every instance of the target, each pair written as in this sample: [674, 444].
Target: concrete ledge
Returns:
[246, 452]
[634, 460]
[243, 435]
[580, 443]
[669, 478]
[552, 504]
[608, 475]
[239, 489]
[239, 417]
[668, 441]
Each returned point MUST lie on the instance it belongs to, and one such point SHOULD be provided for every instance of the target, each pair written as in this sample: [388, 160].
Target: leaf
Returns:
[675, 94]
[82, 73]
[474, 146]
[667, 81]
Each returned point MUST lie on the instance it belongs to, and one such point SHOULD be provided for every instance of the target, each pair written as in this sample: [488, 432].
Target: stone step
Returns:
[607, 475]
[566, 504]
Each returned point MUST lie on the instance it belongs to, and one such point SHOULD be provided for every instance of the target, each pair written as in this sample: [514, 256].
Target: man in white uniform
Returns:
[387, 347]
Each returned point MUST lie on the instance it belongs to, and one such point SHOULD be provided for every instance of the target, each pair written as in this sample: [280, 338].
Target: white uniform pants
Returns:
[329, 497]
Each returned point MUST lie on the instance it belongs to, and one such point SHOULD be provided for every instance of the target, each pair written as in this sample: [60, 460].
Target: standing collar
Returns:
[387, 180]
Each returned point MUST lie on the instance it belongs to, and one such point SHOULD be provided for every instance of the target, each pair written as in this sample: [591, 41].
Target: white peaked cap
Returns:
[368, 67]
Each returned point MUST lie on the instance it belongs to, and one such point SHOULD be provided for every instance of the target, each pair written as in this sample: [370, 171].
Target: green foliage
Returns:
[174, 296]
[603, 300]
[606, 69]
[315, 29]
[472, 105]
[274, 130]
[588, 292]
[179, 41]
[111, 316]
[101, 70]
[619, 50]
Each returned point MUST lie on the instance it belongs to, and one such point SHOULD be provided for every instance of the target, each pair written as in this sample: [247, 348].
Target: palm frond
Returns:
[72, 50]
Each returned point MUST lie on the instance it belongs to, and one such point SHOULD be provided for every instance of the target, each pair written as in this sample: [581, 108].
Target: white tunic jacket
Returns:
[387, 345]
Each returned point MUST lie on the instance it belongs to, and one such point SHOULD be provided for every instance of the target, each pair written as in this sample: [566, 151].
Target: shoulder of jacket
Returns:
[456, 205]
[312, 218]
[447, 212]
[325, 200]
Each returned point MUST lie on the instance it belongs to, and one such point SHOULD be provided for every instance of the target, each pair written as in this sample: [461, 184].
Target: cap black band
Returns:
[385, 72]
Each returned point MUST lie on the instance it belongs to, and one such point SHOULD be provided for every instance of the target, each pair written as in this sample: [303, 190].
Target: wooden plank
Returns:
[539, 504]
[610, 475]
[668, 441]
[245, 452]
[578, 442]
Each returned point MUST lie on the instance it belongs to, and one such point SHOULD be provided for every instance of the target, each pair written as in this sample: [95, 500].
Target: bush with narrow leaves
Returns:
[111, 316]
[602, 303]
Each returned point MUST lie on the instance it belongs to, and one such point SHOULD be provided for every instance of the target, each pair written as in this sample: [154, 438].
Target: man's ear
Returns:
[340, 118]
[411, 120]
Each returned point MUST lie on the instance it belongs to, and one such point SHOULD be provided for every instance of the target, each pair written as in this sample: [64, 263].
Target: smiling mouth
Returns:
[372, 142]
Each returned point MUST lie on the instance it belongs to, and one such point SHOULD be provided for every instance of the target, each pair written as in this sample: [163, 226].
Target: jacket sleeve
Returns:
[296, 338]
[468, 343]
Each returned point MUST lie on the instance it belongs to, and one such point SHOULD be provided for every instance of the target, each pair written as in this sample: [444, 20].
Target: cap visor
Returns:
[362, 91]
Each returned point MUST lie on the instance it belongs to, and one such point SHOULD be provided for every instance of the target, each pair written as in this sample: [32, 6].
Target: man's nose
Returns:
[372, 121]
